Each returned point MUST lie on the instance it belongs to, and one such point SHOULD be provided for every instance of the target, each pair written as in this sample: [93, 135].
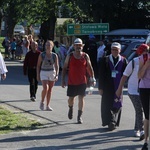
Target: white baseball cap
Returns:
[78, 41]
[116, 45]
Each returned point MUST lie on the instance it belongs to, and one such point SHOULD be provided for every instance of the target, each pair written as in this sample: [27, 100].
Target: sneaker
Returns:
[33, 99]
[137, 133]
[145, 146]
[42, 106]
[112, 126]
[48, 108]
[142, 136]
[70, 112]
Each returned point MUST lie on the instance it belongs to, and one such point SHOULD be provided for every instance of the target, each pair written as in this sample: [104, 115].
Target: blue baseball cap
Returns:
[91, 36]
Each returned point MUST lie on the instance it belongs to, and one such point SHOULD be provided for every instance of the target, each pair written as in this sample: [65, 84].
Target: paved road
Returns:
[59, 132]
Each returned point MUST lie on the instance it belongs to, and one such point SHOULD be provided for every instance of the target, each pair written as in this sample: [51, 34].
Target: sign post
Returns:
[86, 29]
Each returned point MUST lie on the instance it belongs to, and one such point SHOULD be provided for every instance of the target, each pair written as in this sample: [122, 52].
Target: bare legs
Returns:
[80, 102]
[146, 129]
[47, 91]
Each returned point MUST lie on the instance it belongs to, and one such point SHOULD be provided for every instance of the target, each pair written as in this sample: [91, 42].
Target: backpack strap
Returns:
[132, 64]
[43, 54]
[71, 54]
[132, 67]
[54, 56]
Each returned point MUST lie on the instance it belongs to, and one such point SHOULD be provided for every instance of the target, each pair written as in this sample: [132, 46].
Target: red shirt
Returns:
[77, 70]
[30, 61]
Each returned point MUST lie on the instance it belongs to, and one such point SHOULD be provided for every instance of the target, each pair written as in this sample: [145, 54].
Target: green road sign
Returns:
[86, 29]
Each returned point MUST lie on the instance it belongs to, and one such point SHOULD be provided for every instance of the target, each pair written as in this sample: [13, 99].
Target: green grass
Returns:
[10, 122]
[1, 47]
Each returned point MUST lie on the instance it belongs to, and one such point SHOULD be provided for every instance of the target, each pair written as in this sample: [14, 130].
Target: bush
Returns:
[1, 47]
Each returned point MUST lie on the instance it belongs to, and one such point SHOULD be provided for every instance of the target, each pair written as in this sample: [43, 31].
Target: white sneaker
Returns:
[33, 99]
[142, 135]
[48, 108]
[42, 106]
[137, 133]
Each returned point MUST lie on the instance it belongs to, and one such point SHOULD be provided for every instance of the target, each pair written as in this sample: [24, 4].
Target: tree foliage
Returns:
[118, 13]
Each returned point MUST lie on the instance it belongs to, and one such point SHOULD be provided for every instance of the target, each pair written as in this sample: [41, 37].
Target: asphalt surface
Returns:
[58, 132]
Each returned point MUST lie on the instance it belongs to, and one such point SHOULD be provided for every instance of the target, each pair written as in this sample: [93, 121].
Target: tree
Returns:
[61, 29]
[119, 13]
[14, 12]
[41, 11]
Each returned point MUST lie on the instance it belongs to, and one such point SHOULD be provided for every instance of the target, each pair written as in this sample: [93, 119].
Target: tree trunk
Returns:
[10, 20]
[1, 18]
[48, 28]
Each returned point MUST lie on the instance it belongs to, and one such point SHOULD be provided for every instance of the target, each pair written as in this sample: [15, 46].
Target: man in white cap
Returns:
[77, 64]
[111, 69]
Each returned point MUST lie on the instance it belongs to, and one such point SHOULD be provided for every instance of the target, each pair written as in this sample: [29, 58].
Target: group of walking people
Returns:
[17, 46]
[113, 71]
[44, 67]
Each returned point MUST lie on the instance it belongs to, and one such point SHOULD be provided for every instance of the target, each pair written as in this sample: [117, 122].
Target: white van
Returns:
[19, 30]
[128, 34]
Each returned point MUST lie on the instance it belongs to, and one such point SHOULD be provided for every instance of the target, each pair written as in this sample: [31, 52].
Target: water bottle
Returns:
[91, 88]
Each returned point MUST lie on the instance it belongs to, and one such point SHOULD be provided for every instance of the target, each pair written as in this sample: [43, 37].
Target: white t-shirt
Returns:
[100, 51]
[3, 68]
[133, 79]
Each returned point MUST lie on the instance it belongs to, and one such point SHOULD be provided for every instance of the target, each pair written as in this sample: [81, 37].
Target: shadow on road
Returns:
[99, 136]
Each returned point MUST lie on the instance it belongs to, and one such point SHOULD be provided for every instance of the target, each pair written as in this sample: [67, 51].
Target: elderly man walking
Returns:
[111, 69]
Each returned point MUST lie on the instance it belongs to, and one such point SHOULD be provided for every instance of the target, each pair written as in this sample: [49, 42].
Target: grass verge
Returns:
[11, 122]
[1, 47]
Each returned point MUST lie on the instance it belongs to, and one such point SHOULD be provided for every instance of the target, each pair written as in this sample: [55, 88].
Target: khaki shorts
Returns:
[48, 75]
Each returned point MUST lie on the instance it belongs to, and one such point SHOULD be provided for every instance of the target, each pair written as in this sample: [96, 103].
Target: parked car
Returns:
[36, 30]
[127, 33]
[130, 47]
[133, 51]
[129, 39]
[148, 39]
[19, 30]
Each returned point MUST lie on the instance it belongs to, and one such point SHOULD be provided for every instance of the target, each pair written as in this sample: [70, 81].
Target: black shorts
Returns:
[74, 90]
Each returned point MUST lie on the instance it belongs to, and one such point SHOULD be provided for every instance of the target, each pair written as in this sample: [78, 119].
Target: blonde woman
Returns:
[47, 72]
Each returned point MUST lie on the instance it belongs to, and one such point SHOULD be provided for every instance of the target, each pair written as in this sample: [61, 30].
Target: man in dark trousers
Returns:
[91, 49]
[110, 72]
[29, 68]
